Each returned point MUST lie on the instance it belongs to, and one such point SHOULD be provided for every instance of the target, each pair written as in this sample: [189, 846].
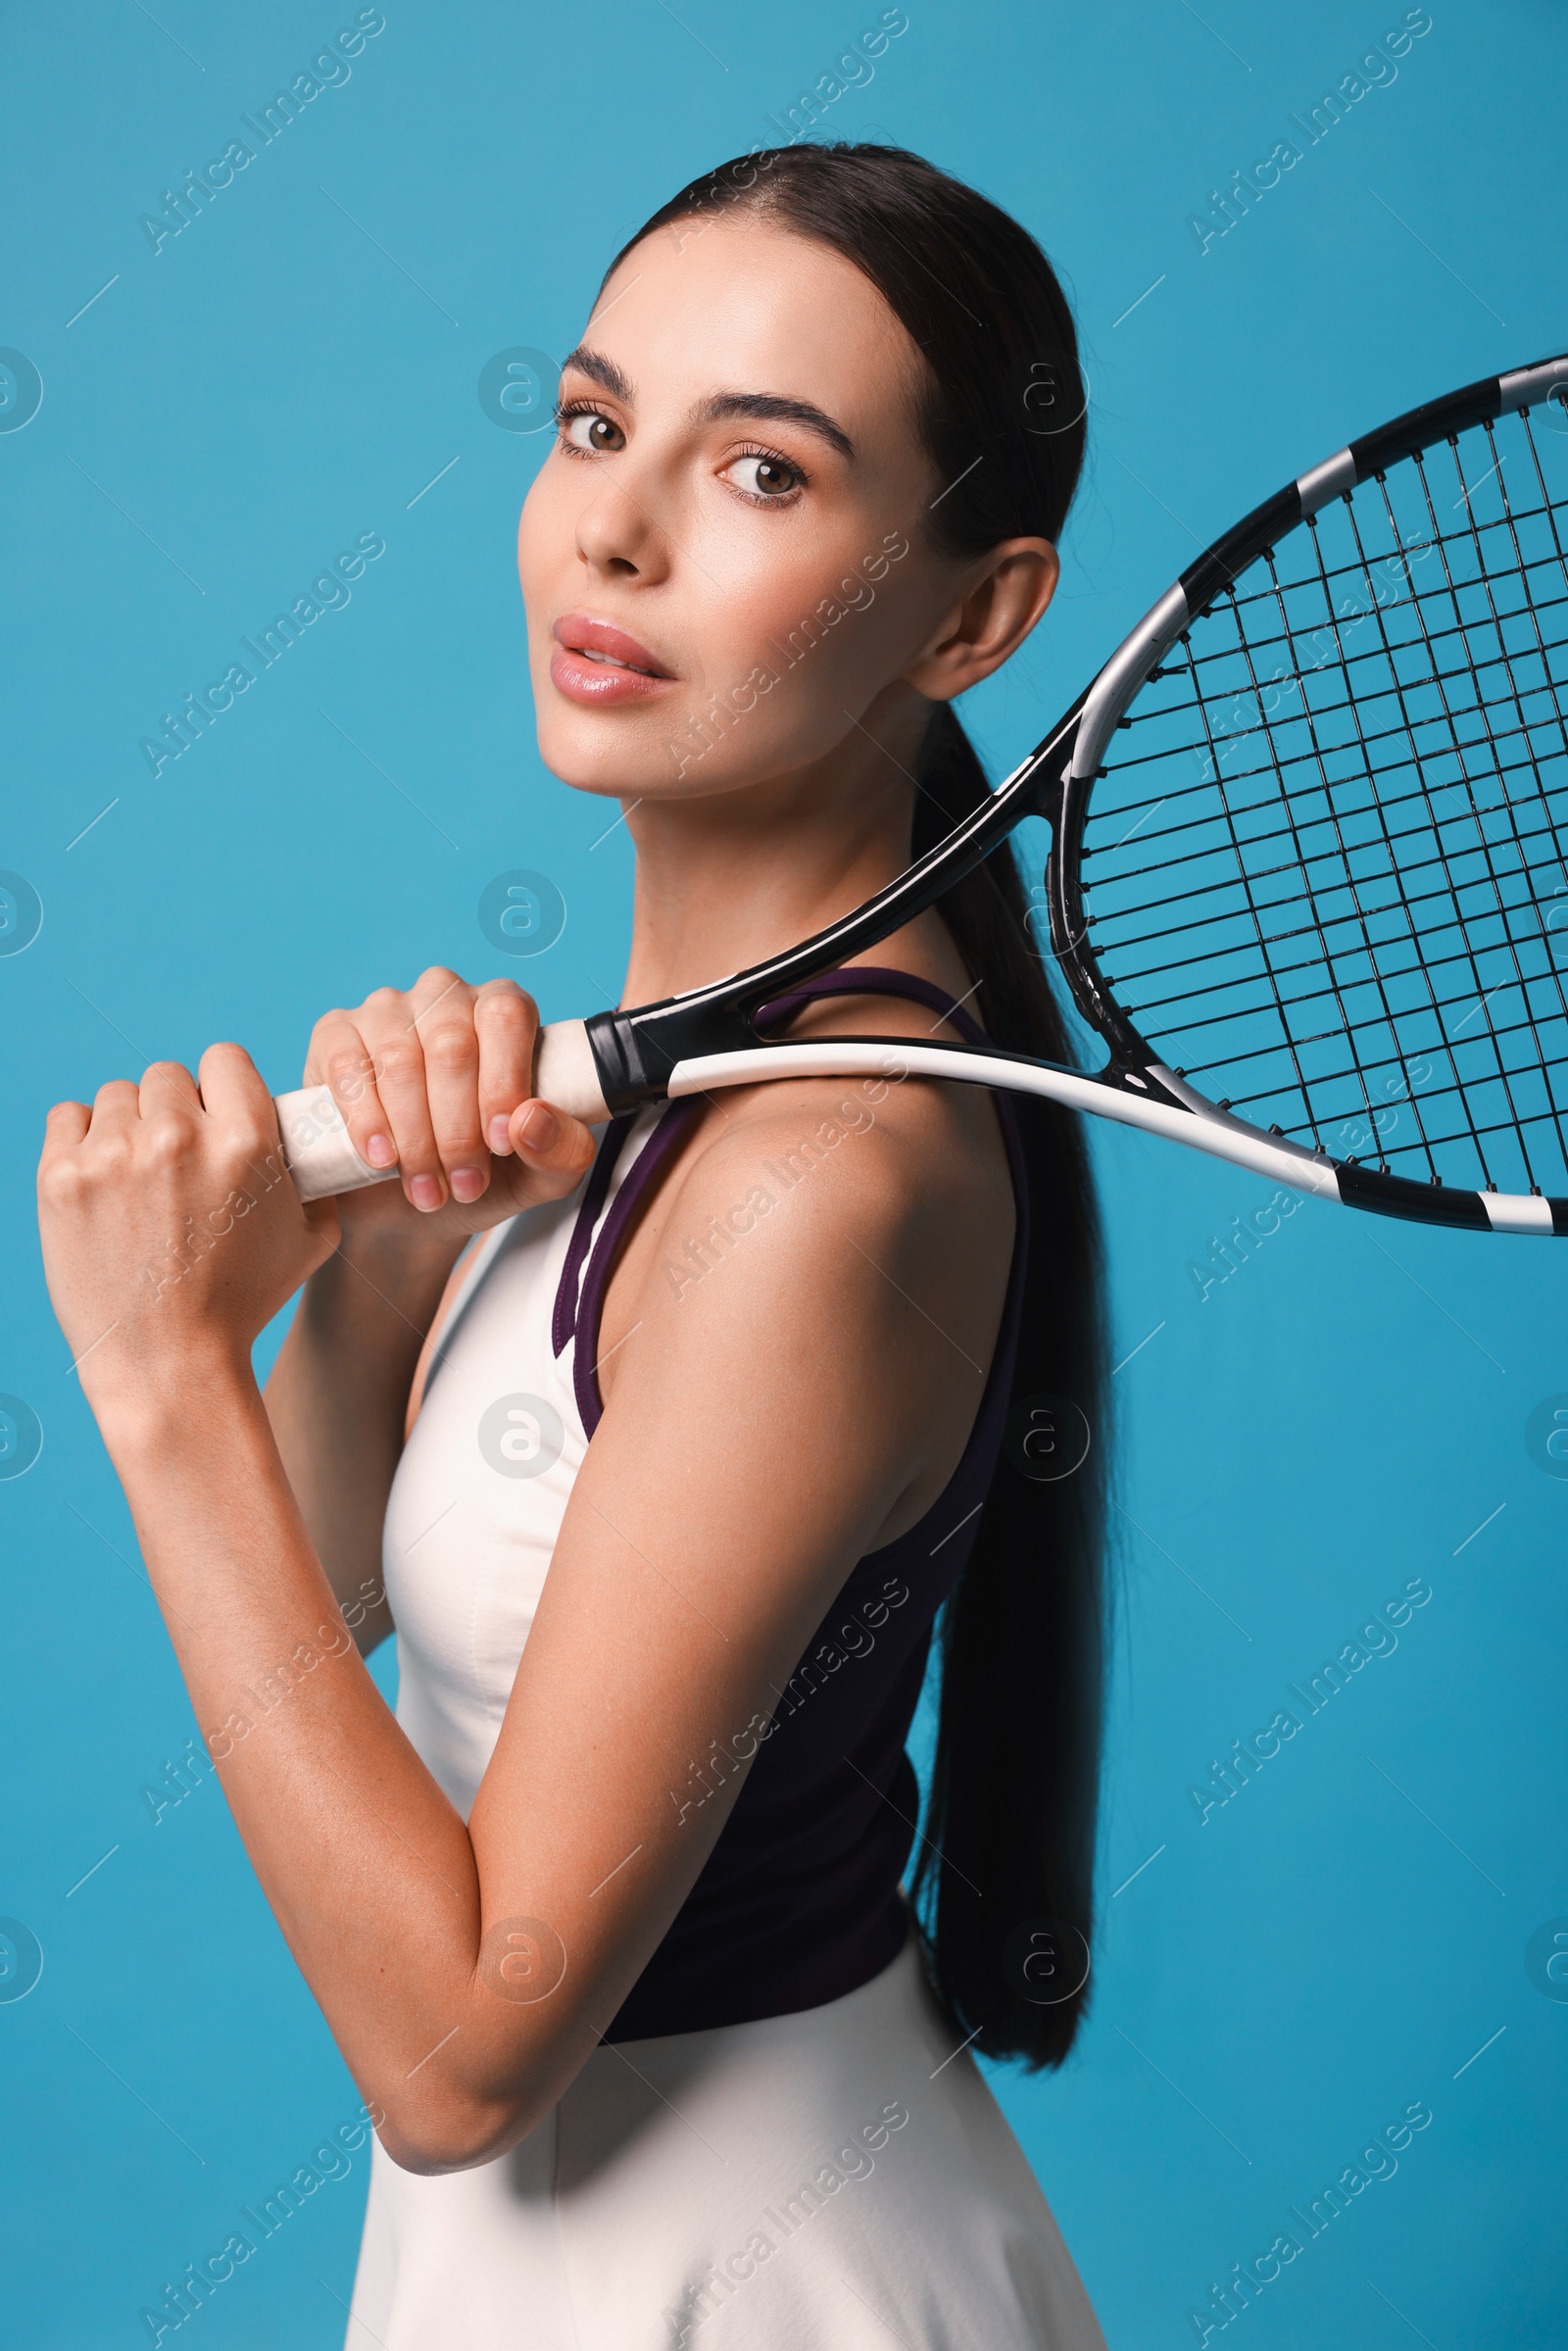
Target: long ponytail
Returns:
[1005, 1882]
[1005, 1886]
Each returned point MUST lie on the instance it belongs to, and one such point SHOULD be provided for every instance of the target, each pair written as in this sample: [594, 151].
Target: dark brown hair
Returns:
[1005, 1882]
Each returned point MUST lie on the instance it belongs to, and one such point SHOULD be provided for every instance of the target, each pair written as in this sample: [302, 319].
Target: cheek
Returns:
[538, 531]
[547, 569]
[805, 617]
[830, 642]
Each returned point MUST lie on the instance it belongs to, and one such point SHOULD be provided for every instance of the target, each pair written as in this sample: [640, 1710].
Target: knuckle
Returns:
[167, 1139]
[249, 1140]
[398, 1060]
[110, 1156]
[348, 1069]
[62, 1182]
[506, 1020]
[451, 1046]
[504, 996]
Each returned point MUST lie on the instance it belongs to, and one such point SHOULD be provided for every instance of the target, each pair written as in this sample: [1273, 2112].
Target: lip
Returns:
[597, 663]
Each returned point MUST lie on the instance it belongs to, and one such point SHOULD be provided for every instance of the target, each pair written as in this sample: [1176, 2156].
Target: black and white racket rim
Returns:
[1308, 858]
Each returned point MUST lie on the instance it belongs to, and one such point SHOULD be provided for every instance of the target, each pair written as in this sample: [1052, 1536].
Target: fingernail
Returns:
[539, 1129]
[425, 1192]
[500, 1132]
[379, 1151]
[466, 1183]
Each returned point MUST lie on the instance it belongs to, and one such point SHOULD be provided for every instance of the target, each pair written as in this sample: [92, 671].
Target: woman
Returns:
[607, 1921]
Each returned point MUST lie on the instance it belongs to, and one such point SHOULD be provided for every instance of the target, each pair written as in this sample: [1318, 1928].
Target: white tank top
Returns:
[482, 1488]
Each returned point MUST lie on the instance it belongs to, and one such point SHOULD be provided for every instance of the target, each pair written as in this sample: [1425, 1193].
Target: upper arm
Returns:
[767, 1424]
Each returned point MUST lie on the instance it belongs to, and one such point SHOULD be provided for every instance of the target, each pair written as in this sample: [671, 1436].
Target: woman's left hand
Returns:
[172, 1231]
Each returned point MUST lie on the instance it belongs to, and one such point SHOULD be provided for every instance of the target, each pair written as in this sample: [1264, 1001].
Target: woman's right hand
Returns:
[437, 1079]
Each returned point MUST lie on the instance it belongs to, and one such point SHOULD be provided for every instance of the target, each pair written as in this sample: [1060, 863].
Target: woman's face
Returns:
[736, 504]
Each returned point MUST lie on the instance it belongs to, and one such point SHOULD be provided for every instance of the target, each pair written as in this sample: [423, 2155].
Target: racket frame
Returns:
[682, 1044]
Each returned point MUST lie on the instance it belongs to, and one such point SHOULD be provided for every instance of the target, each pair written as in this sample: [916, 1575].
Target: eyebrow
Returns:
[600, 371]
[773, 407]
[766, 407]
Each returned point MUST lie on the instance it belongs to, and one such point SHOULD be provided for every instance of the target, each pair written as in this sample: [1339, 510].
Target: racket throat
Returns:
[634, 1052]
[1147, 1081]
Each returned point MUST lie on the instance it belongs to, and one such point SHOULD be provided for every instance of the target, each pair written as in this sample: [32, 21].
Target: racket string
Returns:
[1541, 645]
[1453, 896]
[1344, 856]
[1466, 499]
[1436, 677]
[1314, 929]
[1392, 866]
[1257, 925]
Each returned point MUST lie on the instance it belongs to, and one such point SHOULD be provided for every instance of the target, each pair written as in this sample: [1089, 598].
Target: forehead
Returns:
[737, 303]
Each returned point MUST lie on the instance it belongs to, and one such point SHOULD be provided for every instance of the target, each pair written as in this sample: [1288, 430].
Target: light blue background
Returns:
[1275, 1984]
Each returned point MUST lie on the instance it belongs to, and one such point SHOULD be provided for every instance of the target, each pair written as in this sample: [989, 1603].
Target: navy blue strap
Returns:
[873, 979]
[610, 1145]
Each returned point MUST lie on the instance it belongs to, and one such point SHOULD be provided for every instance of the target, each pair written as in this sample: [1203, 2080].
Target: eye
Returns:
[764, 476]
[589, 429]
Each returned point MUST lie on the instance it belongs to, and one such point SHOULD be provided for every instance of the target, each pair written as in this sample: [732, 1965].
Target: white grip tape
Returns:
[322, 1160]
[316, 1145]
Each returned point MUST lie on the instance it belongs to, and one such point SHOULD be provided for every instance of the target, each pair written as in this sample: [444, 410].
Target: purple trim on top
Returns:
[611, 1143]
[669, 1132]
[872, 979]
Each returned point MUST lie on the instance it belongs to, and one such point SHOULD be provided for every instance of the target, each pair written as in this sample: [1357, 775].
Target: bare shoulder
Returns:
[861, 1228]
[900, 1157]
[894, 1153]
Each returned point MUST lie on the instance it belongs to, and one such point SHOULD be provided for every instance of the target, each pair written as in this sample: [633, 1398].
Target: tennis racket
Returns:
[1306, 878]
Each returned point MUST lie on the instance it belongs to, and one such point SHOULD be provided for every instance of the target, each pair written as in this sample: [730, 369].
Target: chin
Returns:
[604, 753]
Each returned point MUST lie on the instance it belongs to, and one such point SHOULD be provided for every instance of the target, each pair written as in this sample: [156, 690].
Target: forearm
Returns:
[336, 1401]
[366, 1863]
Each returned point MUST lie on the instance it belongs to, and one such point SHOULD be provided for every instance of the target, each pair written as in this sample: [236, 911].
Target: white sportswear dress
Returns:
[835, 2178]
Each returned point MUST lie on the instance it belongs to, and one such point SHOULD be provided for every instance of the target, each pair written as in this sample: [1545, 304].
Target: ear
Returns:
[998, 602]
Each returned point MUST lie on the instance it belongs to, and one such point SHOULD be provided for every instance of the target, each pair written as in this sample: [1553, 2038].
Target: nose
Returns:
[619, 537]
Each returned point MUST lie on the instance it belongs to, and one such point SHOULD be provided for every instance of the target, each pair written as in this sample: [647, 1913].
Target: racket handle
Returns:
[321, 1159]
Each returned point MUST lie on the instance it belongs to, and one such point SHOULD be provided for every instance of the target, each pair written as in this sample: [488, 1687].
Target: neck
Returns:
[724, 881]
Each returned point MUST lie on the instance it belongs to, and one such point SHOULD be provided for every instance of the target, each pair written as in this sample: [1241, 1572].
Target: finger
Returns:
[65, 1127]
[545, 1137]
[116, 1104]
[449, 1044]
[374, 1063]
[234, 1095]
[164, 1083]
[508, 1025]
[340, 1059]
[389, 1023]
[168, 1110]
